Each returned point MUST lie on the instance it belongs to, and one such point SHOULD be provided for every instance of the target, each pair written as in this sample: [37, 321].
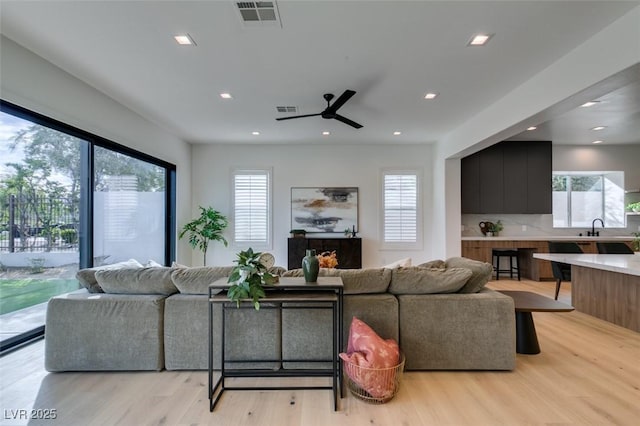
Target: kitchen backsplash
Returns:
[538, 225]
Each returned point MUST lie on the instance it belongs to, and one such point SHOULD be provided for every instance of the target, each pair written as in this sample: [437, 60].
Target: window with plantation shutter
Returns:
[401, 211]
[252, 208]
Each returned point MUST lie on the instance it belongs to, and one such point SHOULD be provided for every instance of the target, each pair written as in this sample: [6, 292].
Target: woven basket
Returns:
[389, 376]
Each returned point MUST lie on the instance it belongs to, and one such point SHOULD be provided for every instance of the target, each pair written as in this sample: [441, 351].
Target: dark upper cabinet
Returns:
[510, 177]
[539, 191]
[470, 179]
[491, 180]
[515, 178]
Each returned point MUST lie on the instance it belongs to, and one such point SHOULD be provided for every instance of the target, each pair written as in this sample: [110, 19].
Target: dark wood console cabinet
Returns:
[348, 251]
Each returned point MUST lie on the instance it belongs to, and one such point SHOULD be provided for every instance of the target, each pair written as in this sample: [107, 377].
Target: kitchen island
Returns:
[606, 286]
[479, 248]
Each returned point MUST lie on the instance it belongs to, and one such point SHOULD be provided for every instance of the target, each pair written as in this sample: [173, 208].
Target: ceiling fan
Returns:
[331, 110]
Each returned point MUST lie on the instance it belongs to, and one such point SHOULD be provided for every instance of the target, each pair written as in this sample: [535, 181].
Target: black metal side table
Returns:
[289, 293]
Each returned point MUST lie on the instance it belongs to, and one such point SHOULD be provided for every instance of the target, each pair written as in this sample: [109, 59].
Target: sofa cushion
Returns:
[433, 264]
[481, 273]
[416, 280]
[87, 277]
[197, 280]
[399, 263]
[137, 281]
[356, 281]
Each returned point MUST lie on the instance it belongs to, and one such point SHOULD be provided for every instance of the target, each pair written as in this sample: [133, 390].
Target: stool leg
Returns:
[497, 267]
[518, 267]
[511, 267]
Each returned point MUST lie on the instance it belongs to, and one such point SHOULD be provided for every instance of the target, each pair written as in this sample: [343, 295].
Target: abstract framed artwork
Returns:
[324, 209]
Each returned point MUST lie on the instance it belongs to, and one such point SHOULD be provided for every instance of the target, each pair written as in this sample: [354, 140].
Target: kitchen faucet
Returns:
[593, 232]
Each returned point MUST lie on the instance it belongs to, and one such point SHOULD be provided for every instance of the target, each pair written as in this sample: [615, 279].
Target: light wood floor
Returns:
[588, 373]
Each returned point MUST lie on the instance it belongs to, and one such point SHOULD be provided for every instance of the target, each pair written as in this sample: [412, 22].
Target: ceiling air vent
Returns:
[287, 109]
[259, 13]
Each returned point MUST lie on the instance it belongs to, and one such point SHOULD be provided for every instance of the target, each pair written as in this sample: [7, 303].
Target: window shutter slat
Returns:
[400, 208]
[251, 207]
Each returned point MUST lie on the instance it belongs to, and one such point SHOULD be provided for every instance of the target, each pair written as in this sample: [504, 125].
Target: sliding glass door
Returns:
[71, 200]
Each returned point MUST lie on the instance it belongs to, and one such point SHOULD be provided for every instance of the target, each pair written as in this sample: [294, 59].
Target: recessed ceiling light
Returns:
[326, 133]
[255, 133]
[531, 128]
[226, 96]
[397, 133]
[590, 103]
[184, 40]
[430, 95]
[479, 39]
[599, 128]
[597, 142]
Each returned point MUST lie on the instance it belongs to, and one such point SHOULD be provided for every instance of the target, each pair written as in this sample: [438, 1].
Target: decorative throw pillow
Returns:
[368, 350]
[152, 264]
[480, 273]
[417, 280]
[87, 277]
[398, 263]
[175, 264]
[197, 280]
[152, 280]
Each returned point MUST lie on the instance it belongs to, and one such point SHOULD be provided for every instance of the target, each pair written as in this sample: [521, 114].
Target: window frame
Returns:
[255, 245]
[419, 242]
[604, 176]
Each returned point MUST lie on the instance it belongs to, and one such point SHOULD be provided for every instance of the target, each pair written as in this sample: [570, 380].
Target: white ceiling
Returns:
[390, 52]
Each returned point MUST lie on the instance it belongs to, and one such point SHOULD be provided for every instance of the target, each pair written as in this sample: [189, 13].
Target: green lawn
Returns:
[16, 294]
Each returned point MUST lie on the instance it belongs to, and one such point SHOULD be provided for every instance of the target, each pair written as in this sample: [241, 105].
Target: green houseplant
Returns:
[248, 278]
[208, 227]
[496, 228]
[634, 207]
[636, 241]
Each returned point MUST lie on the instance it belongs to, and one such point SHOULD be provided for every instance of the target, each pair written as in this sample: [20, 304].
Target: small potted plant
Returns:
[248, 278]
[634, 207]
[636, 241]
[495, 228]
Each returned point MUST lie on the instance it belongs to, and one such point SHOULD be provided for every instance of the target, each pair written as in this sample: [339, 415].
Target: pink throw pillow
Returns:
[368, 350]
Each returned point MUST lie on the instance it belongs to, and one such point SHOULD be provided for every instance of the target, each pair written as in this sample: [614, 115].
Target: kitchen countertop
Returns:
[622, 263]
[549, 238]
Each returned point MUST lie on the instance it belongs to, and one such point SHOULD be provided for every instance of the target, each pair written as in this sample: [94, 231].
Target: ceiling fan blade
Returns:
[297, 116]
[339, 102]
[345, 120]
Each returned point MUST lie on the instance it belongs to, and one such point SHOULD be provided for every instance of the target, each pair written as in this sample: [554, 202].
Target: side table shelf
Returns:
[289, 293]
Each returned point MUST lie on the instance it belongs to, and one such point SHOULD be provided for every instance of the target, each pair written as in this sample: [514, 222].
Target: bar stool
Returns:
[496, 254]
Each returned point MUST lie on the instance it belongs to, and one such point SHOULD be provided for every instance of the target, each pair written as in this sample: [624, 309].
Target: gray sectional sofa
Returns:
[440, 313]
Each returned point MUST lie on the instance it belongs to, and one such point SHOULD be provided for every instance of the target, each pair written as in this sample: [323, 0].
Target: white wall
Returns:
[314, 165]
[560, 87]
[30, 81]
